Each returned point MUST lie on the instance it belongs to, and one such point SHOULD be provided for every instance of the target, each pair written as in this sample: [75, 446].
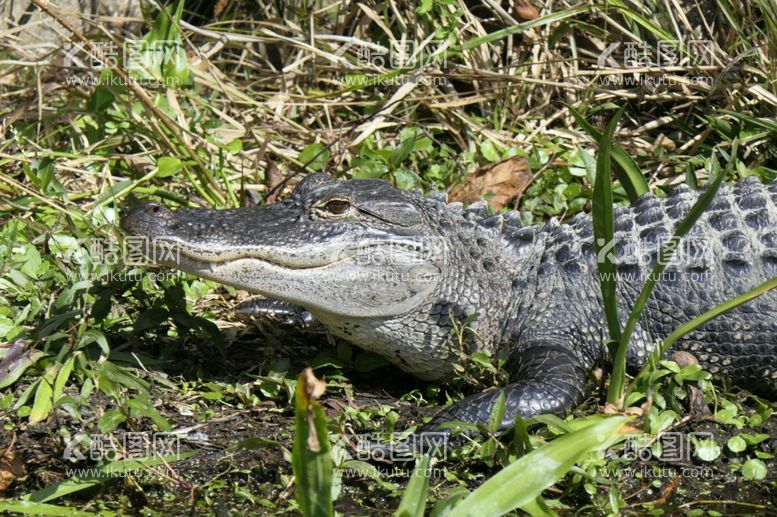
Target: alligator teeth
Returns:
[212, 267]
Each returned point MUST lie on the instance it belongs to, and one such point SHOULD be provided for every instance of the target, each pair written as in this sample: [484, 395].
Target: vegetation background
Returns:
[231, 103]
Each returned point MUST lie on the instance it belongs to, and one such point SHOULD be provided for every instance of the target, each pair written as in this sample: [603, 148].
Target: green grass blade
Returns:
[311, 459]
[602, 214]
[665, 254]
[700, 320]
[538, 508]
[550, 18]
[414, 501]
[29, 508]
[521, 482]
[626, 169]
[766, 123]
[651, 27]
[715, 312]
[521, 440]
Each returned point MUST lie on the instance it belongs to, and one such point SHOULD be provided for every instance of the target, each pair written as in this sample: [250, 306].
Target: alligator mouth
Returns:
[208, 259]
[214, 265]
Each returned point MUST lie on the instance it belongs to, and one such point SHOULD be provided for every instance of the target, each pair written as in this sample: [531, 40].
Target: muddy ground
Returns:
[223, 478]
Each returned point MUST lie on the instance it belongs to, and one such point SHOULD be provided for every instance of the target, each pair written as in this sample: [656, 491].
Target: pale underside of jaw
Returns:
[334, 287]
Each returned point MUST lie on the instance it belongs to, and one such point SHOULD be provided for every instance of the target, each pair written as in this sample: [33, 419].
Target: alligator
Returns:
[424, 282]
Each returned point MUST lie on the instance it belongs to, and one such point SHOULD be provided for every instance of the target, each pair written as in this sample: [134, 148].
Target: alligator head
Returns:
[371, 262]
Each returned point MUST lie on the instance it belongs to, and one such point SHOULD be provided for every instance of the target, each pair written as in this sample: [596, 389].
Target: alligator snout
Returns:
[146, 219]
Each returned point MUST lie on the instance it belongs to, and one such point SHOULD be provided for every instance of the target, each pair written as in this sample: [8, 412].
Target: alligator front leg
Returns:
[545, 379]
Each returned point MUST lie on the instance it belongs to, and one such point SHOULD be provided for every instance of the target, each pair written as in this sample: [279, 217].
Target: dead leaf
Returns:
[8, 79]
[525, 11]
[219, 7]
[611, 409]
[314, 444]
[10, 469]
[633, 411]
[313, 388]
[139, 163]
[275, 180]
[683, 358]
[696, 403]
[496, 183]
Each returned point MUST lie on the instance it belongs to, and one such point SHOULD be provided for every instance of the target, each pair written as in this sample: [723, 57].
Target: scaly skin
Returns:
[391, 271]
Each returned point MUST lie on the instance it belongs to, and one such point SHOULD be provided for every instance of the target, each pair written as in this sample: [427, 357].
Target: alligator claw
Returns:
[282, 314]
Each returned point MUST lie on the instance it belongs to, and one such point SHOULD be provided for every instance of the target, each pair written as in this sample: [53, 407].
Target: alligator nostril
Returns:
[154, 209]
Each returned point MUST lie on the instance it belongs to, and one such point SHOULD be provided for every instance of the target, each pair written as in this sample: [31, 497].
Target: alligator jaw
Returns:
[194, 259]
[317, 265]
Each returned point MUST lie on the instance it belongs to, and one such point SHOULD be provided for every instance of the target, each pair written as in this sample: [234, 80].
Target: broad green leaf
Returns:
[497, 413]
[168, 166]
[754, 469]
[754, 439]
[443, 507]
[626, 169]
[314, 156]
[414, 501]
[30, 508]
[234, 147]
[142, 405]
[402, 152]
[311, 460]
[489, 151]
[425, 7]
[707, 450]
[6, 401]
[405, 179]
[160, 54]
[111, 420]
[95, 336]
[521, 438]
[538, 508]
[736, 444]
[43, 402]
[521, 482]
[111, 377]
[62, 376]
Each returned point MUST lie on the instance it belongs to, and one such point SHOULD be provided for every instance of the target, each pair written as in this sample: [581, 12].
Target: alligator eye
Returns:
[337, 206]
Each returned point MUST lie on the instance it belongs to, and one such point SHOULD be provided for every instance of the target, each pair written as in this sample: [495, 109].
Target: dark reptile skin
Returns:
[557, 329]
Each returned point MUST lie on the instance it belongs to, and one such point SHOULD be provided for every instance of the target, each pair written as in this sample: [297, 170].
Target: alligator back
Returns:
[731, 249]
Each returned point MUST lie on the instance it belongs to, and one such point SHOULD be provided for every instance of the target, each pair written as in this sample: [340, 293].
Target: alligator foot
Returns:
[548, 379]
